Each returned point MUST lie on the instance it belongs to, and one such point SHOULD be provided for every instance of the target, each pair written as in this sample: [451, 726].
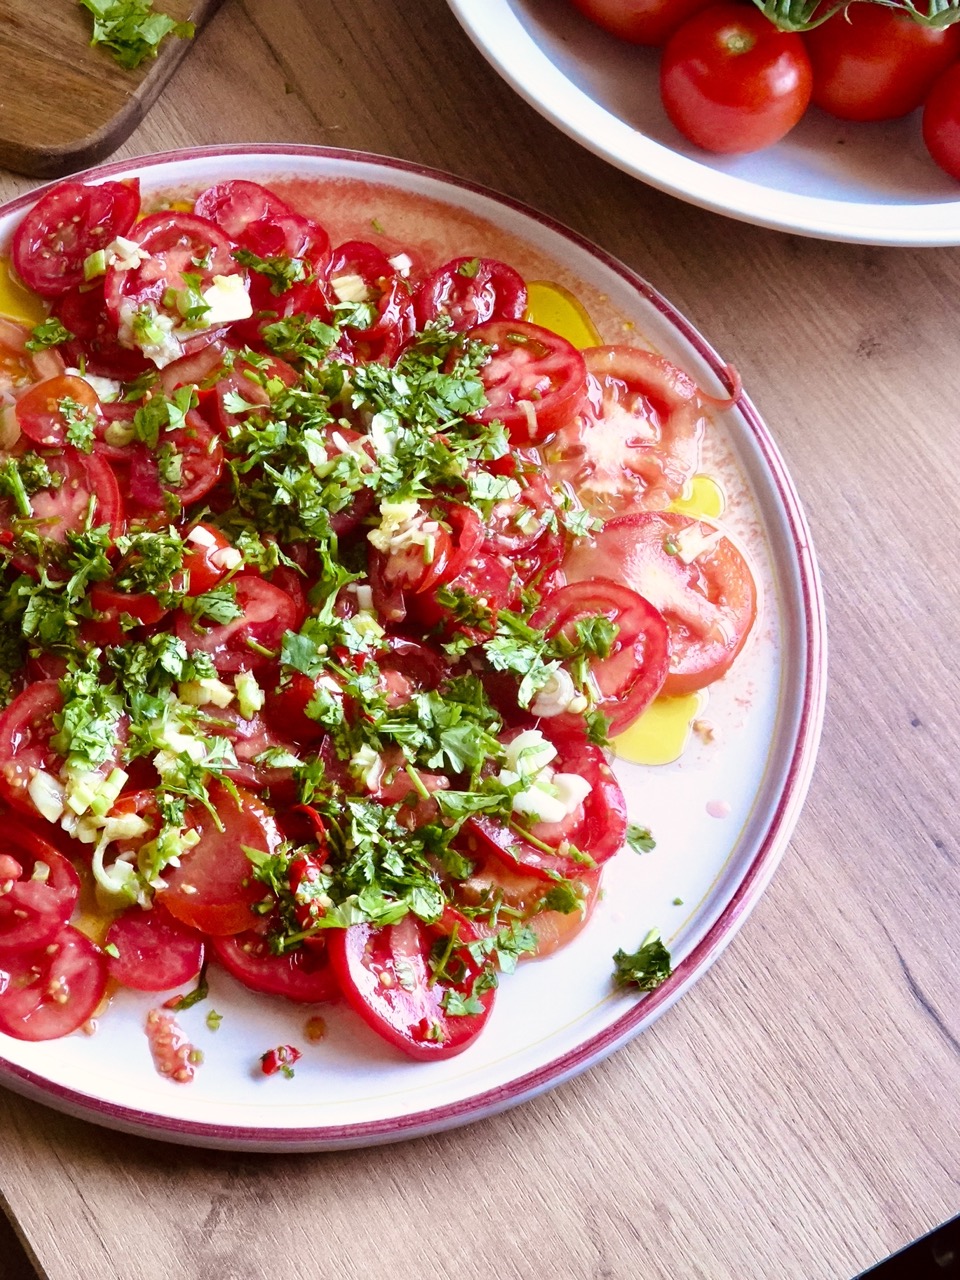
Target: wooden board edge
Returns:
[57, 162]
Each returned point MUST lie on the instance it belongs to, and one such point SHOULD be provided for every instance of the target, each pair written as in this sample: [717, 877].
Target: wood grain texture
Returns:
[795, 1116]
[63, 104]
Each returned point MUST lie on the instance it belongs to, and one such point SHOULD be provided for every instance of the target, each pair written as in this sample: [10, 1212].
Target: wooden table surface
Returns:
[796, 1115]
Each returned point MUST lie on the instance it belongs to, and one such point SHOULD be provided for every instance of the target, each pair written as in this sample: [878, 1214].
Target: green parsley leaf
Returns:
[645, 968]
[131, 30]
[49, 333]
[639, 839]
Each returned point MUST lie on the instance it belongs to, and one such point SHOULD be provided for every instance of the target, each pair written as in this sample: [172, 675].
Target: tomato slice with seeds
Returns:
[65, 226]
[38, 888]
[391, 977]
[469, 292]
[492, 884]
[85, 488]
[95, 346]
[596, 829]
[303, 975]
[48, 993]
[267, 613]
[196, 455]
[637, 441]
[693, 573]
[535, 380]
[177, 244]
[26, 727]
[631, 675]
[214, 889]
[46, 411]
[20, 367]
[155, 952]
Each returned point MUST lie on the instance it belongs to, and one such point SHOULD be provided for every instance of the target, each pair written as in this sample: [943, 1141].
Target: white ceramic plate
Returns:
[722, 814]
[863, 183]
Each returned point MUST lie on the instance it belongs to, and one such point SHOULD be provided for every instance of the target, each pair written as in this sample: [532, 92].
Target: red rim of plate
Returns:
[780, 823]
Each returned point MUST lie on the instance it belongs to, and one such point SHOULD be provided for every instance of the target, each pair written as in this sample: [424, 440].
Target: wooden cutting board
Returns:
[63, 104]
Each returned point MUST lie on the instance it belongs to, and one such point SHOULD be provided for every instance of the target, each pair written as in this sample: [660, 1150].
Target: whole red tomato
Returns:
[730, 81]
[871, 63]
[941, 121]
[639, 21]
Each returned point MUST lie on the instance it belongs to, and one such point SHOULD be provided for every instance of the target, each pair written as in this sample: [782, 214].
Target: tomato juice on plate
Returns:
[312, 657]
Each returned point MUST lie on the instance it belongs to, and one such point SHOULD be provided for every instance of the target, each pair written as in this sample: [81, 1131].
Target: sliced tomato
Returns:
[154, 952]
[383, 288]
[198, 455]
[493, 885]
[632, 674]
[209, 557]
[387, 977]
[65, 226]
[95, 346]
[470, 291]
[257, 219]
[20, 367]
[26, 727]
[38, 888]
[177, 244]
[214, 889]
[85, 489]
[45, 412]
[535, 380]
[586, 838]
[303, 975]
[286, 709]
[267, 613]
[112, 608]
[692, 573]
[637, 441]
[48, 993]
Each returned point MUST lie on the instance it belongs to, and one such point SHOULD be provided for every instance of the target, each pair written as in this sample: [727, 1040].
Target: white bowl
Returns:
[862, 183]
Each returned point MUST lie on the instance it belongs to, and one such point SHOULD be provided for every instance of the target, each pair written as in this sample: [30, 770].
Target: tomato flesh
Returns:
[51, 992]
[709, 604]
[385, 974]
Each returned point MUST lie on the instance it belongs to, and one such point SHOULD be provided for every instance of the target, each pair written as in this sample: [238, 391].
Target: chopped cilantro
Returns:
[131, 30]
[48, 333]
[639, 839]
[645, 968]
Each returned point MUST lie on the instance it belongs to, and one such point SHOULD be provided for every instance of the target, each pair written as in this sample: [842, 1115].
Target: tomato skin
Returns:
[649, 22]
[304, 975]
[709, 605]
[366, 960]
[632, 675]
[941, 122]
[872, 63]
[535, 380]
[32, 911]
[637, 441]
[731, 82]
[48, 993]
[67, 224]
[471, 291]
[214, 889]
[156, 952]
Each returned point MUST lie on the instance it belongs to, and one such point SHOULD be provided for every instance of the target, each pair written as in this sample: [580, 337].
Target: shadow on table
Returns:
[932, 1257]
[14, 1263]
